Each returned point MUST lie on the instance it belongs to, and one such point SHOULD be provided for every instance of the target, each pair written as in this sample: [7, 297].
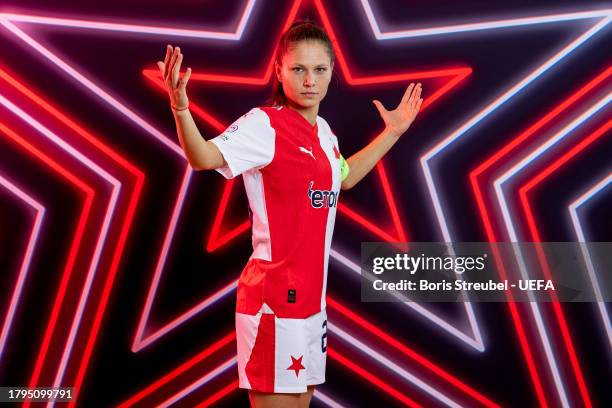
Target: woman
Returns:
[292, 169]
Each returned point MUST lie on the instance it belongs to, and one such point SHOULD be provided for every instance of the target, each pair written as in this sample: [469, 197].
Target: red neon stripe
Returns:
[219, 344]
[474, 174]
[409, 352]
[75, 246]
[372, 378]
[137, 173]
[480, 169]
[218, 395]
[457, 76]
[461, 73]
[535, 234]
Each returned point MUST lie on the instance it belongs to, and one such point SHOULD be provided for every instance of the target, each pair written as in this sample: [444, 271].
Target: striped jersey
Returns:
[292, 176]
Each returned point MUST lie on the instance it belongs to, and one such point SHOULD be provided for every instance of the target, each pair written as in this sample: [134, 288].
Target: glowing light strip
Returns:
[39, 50]
[154, 132]
[216, 372]
[573, 210]
[154, 76]
[491, 236]
[326, 399]
[76, 241]
[135, 118]
[104, 95]
[474, 121]
[481, 116]
[105, 226]
[98, 91]
[405, 374]
[27, 257]
[197, 384]
[488, 25]
[139, 343]
[513, 236]
[225, 291]
[137, 28]
[523, 192]
[126, 225]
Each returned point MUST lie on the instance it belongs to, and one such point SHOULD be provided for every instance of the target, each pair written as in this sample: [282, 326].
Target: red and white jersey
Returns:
[292, 176]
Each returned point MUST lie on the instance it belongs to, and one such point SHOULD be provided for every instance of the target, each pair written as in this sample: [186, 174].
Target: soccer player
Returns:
[293, 171]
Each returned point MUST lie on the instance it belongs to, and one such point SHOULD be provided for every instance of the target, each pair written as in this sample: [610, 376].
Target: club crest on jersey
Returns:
[322, 198]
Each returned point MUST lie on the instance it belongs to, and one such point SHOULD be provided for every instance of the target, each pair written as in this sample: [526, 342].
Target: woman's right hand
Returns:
[176, 87]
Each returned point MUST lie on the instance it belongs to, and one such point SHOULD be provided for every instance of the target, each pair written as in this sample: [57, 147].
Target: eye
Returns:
[296, 69]
[321, 69]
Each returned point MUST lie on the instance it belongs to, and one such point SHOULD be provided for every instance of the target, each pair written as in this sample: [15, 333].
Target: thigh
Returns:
[274, 400]
[306, 397]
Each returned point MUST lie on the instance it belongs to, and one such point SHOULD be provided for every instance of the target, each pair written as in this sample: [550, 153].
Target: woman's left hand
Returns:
[399, 120]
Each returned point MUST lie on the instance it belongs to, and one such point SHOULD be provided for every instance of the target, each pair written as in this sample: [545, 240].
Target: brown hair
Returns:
[302, 30]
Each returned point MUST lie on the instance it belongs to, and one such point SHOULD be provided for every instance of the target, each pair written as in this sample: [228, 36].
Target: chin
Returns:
[309, 103]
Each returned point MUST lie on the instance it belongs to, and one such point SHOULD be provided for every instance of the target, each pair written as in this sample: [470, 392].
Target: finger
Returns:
[413, 110]
[168, 54]
[419, 103]
[408, 92]
[416, 93]
[170, 68]
[186, 78]
[160, 65]
[176, 70]
[379, 106]
[167, 60]
[415, 99]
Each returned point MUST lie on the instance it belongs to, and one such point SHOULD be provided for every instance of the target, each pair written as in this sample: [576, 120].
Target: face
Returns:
[305, 73]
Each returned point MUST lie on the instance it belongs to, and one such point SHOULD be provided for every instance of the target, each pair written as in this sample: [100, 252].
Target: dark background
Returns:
[114, 61]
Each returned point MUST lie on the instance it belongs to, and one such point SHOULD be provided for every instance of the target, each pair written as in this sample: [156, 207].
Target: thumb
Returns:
[379, 106]
[160, 65]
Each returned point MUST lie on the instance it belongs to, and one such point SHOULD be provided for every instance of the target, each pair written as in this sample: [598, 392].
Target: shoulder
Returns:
[325, 128]
[270, 111]
[255, 119]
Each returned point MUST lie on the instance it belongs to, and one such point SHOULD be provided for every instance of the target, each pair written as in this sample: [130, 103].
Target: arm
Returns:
[364, 160]
[201, 154]
[396, 123]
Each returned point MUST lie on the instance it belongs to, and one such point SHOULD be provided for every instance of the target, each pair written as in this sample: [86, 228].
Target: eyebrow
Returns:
[297, 64]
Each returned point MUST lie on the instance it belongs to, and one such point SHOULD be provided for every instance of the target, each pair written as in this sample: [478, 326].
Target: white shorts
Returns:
[280, 354]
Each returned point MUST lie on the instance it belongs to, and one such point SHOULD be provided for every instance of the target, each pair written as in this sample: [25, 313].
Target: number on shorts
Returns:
[324, 338]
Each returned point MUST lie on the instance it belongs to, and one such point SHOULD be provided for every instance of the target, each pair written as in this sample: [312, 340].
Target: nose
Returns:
[309, 79]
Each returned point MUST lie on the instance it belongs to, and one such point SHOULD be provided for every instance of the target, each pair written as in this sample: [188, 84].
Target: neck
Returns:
[310, 113]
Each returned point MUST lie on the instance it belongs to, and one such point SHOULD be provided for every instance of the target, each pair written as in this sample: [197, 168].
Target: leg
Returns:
[305, 397]
[274, 400]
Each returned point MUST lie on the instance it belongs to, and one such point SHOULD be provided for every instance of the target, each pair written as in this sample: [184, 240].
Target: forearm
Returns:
[364, 160]
[201, 154]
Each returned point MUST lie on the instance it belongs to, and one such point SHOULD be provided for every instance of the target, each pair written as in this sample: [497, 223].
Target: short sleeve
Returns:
[246, 144]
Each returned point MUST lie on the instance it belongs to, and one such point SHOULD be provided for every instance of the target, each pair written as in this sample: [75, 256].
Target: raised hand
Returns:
[399, 120]
[176, 87]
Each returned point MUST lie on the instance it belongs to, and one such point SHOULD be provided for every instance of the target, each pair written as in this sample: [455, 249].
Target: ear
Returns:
[277, 70]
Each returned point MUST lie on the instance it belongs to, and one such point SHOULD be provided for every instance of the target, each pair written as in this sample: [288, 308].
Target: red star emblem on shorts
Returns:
[296, 365]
